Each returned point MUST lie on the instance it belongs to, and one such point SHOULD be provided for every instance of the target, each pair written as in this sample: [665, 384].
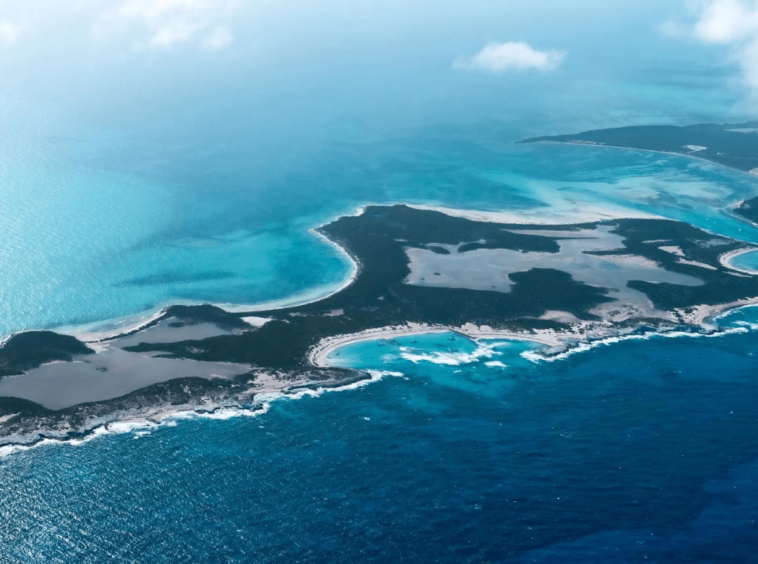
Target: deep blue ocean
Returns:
[132, 178]
[640, 451]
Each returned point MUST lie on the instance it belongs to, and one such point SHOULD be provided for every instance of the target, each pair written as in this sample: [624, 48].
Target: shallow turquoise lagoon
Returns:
[635, 451]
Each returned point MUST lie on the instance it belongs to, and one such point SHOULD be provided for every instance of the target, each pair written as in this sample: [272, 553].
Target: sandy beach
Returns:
[726, 259]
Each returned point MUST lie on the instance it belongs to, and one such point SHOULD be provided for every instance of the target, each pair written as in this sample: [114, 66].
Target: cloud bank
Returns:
[169, 23]
[519, 56]
[9, 32]
[733, 23]
[727, 21]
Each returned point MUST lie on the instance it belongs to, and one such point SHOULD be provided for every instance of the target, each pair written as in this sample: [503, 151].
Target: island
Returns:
[415, 270]
[733, 145]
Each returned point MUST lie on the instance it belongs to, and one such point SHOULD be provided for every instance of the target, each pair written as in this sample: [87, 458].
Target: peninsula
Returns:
[733, 145]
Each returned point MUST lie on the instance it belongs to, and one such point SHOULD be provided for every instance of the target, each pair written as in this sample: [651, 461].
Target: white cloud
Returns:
[218, 38]
[172, 34]
[733, 23]
[727, 21]
[500, 57]
[9, 32]
[169, 23]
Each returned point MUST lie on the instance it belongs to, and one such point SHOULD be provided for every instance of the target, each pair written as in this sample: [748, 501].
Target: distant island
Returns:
[733, 145]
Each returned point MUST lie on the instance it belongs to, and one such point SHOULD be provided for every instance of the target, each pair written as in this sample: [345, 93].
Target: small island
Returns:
[733, 145]
[416, 270]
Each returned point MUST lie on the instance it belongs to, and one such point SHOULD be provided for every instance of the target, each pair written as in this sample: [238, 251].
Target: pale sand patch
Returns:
[559, 316]
[256, 321]
[162, 332]
[8, 417]
[100, 330]
[491, 269]
[673, 250]
[106, 375]
[701, 314]
[581, 214]
[696, 263]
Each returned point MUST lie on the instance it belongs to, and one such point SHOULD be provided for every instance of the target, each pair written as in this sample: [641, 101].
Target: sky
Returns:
[74, 43]
[179, 68]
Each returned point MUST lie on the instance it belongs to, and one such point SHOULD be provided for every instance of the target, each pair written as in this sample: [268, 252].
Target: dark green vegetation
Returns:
[25, 351]
[720, 286]
[732, 145]
[378, 297]
[749, 210]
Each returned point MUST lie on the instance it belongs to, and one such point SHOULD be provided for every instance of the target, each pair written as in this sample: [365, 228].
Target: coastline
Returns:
[556, 344]
[580, 337]
[319, 354]
[670, 153]
[726, 259]
[137, 421]
[566, 218]
[305, 298]
[107, 329]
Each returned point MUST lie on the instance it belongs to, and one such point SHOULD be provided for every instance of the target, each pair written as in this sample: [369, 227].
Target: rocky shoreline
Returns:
[203, 359]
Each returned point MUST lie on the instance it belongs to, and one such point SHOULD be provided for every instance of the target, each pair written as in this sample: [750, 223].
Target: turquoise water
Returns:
[746, 261]
[130, 179]
[88, 246]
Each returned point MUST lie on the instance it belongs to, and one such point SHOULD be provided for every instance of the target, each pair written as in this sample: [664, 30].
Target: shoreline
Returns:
[319, 355]
[556, 344]
[559, 218]
[726, 258]
[670, 153]
[168, 416]
[299, 299]
[581, 337]
[564, 344]
[111, 328]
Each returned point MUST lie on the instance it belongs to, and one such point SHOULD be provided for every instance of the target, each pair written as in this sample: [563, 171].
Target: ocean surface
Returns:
[638, 451]
[132, 180]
